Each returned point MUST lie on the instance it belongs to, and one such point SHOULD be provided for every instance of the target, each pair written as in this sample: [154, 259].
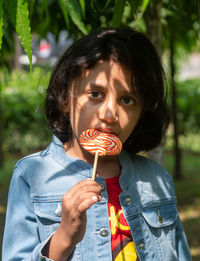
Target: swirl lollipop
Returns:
[100, 143]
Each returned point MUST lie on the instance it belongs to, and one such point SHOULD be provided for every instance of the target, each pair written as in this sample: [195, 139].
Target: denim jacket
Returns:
[148, 201]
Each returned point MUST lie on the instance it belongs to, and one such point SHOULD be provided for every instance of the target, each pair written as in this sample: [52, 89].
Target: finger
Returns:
[89, 196]
[81, 189]
[71, 202]
[84, 205]
[87, 185]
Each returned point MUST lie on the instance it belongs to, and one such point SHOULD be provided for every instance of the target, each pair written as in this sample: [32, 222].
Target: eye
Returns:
[127, 100]
[95, 95]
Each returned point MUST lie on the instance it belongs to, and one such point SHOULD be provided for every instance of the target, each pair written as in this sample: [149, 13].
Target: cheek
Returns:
[129, 121]
[84, 117]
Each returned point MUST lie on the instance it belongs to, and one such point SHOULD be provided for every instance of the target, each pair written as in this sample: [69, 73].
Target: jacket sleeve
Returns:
[182, 247]
[21, 240]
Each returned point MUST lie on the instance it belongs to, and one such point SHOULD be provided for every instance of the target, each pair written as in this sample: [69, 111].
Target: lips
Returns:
[107, 130]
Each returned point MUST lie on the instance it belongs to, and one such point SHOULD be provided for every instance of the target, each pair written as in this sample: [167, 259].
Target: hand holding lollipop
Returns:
[100, 143]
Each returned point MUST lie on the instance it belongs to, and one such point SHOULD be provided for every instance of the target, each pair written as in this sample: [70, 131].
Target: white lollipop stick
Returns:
[95, 165]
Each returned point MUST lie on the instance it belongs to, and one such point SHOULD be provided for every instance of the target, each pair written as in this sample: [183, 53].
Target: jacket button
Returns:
[142, 246]
[102, 186]
[58, 211]
[128, 200]
[104, 232]
[160, 218]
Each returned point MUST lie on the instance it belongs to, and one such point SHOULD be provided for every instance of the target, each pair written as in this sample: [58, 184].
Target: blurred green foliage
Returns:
[187, 142]
[24, 124]
[188, 102]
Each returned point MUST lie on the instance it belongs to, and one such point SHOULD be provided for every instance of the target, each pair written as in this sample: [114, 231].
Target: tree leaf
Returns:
[12, 9]
[134, 6]
[74, 11]
[23, 27]
[98, 7]
[1, 22]
[144, 5]
[19, 14]
[65, 12]
[118, 12]
[82, 4]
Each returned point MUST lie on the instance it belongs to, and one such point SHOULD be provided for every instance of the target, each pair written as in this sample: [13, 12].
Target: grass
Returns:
[187, 190]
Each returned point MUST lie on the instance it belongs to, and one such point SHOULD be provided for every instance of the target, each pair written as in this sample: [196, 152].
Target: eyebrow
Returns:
[102, 87]
[97, 86]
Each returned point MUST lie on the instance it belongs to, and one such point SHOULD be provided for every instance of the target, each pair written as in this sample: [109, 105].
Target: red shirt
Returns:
[123, 248]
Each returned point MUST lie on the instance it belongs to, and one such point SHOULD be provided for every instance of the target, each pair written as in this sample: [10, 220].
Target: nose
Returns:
[108, 111]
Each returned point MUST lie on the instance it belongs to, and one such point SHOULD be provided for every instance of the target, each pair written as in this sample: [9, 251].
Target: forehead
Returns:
[105, 74]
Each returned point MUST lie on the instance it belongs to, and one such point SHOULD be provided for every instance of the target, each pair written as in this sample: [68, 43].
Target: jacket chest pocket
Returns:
[161, 223]
[48, 213]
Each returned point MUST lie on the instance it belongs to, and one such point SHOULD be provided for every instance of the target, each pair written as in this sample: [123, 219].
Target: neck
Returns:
[108, 167]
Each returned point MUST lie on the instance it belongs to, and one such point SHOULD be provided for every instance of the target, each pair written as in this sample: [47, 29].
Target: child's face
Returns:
[105, 100]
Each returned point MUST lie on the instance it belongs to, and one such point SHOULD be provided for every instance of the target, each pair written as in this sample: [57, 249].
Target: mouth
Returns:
[107, 130]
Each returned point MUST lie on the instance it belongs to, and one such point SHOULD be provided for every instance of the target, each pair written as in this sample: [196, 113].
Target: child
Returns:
[111, 81]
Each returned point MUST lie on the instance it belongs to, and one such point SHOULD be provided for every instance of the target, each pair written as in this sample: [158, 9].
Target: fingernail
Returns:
[94, 198]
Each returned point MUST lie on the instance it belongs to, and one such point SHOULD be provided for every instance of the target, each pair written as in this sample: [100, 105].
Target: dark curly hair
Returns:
[125, 46]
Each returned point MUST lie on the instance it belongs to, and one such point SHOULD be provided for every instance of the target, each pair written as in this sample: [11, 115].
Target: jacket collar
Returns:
[57, 152]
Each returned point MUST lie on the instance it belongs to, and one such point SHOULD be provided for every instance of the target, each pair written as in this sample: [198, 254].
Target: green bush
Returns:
[24, 124]
[188, 103]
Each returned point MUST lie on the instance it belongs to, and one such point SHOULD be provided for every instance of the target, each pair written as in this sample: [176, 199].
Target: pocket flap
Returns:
[48, 210]
[161, 216]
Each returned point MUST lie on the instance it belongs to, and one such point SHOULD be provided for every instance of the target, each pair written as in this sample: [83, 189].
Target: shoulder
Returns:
[148, 167]
[35, 165]
[29, 161]
[150, 178]
[143, 164]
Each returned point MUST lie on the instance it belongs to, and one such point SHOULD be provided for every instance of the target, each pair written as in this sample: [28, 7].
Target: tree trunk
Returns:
[1, 130]
[18, 51]
[177, 152]
[152, 17]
